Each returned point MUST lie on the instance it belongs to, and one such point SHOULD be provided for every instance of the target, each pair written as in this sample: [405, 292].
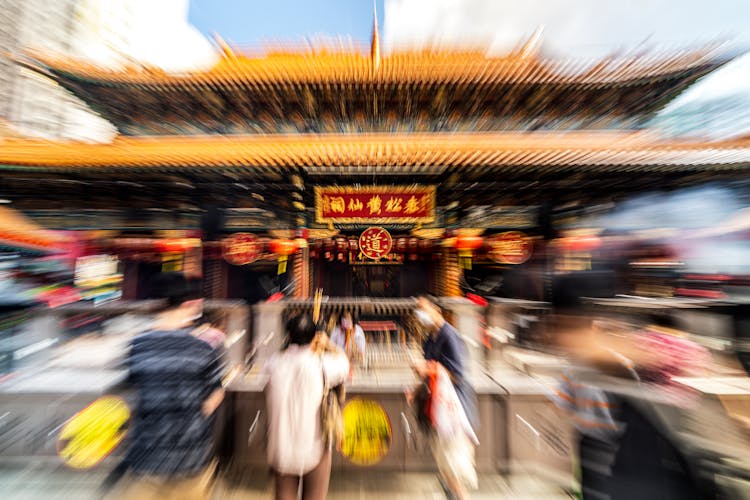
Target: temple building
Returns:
[371, 174]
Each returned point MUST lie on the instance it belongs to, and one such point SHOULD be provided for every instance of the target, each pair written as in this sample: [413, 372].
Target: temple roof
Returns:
[290, 66]
[380, 153]
[352, 91]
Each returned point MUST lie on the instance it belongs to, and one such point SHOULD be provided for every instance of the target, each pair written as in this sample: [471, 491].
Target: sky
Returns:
[253, 22]
[572, 28]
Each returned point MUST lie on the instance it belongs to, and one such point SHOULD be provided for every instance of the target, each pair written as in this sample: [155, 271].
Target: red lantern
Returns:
[342, 244]
[283, 248]
[581, 243]
[425, 246]
[401, 245]
[175, 245]
[469, 242]
[465, 246]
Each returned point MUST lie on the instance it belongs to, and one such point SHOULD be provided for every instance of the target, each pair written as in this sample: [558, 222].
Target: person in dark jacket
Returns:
[444, 345]
[178, 382]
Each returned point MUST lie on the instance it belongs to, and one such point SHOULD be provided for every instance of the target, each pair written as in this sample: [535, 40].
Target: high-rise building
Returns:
[32, 103]
[109, 33]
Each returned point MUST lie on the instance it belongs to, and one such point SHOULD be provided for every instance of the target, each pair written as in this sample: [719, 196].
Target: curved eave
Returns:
[378, 153]
[398, 69]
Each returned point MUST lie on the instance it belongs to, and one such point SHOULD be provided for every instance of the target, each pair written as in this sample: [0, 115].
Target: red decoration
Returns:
[401, 245]
[283, 247]
[581, 243]
[465, 246]
[476, 299]
[375, 243]
[176, 245]
[341, 244]
[469, 242]
[512, 247]
[375, 204]
[241, 249]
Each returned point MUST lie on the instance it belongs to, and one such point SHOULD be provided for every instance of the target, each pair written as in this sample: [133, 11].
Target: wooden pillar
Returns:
[453, 272]
[214, 282]
[130, 280]
[302, 273]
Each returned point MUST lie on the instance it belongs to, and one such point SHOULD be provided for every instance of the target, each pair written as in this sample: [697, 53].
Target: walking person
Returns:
[177, 378]
[298, 453]
[445, 353]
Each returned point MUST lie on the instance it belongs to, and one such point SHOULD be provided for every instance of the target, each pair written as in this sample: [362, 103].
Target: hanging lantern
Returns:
[466, 246]
[580, 243]
[176, 245]
[342, 244]
[283, 248]
[425, 246]
[401, 245]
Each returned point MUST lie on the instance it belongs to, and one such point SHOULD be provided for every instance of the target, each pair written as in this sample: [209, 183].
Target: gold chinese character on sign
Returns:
[355, 205]
[393, 205]
[375, 243]
[412, 206]
[338, 205]
[374, 205]
[426, 201]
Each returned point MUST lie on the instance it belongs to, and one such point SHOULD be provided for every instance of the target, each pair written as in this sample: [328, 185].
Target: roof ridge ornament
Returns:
[375, 42]
[226, 50]
[532, 46]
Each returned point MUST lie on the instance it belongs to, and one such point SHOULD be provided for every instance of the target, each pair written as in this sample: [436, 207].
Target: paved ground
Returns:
[43, 483]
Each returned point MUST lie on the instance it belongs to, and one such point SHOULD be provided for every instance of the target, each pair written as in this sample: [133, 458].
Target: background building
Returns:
[109, 33]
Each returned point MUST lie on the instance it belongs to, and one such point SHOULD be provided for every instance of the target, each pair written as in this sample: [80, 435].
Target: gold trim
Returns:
[430, 190]
[471, 231]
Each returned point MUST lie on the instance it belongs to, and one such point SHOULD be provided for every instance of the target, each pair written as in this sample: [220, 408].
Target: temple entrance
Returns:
[374, 280]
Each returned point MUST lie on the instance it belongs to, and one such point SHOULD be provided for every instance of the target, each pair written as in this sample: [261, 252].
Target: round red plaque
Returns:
[512, 247]
[241, 248]
[375, 243]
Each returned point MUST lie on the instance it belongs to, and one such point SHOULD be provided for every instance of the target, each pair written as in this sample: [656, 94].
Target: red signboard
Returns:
[375, 204]
[512, 247]
[241, 248]
[375, 243]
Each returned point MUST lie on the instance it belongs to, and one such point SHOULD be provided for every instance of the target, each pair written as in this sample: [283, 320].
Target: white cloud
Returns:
[587, 27]
[164, 38]
[578, 28]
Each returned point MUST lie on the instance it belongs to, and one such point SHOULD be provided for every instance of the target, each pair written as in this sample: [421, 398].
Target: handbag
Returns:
[332, 419]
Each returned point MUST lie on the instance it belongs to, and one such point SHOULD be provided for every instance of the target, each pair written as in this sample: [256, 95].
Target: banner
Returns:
[375, 204]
